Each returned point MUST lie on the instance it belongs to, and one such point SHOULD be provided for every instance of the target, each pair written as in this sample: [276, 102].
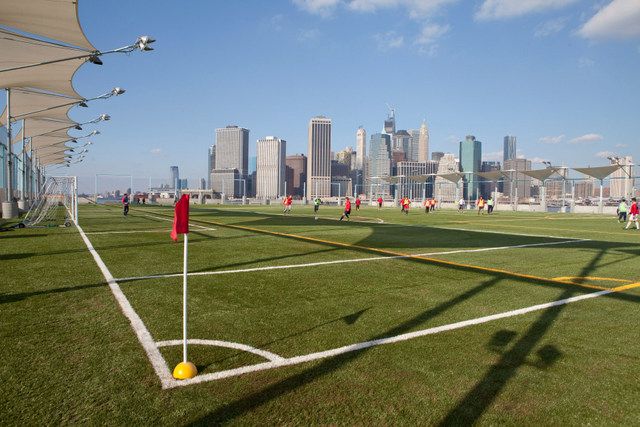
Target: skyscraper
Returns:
[521, 183]
[445, 190]
[380, 162]
[361, 147]
[390, 123]
[621, 184]
[423, 143]
[319, 157]
[232, 148]
[509, 148]
[401, 141]
[437, 155]
[211, 163]
[297, 163]
[231, 163]
[271, 160]
[175, 177]
[470, 161]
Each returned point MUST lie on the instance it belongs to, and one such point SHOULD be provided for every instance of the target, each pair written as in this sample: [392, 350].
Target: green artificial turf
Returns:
[71, 356]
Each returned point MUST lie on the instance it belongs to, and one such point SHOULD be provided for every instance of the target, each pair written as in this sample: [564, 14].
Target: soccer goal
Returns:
[57, 204]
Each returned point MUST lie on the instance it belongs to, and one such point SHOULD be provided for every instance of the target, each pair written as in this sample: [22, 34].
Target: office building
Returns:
[401, 141]
[446, 190]
[345, 157]
[211, 163]
[488, 187]
[411, 188]
[361, 148]
[390, 123]
[516, 184]
[270, 172]
[319, 157]
[509, 149]
[175, 177]
[423, 143]
[297, 178]
[437, 155]
[380, 163]
[231, 162]
[470, 162]
[621, 182]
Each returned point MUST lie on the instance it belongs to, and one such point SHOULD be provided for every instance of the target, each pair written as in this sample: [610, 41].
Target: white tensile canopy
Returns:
[46, 141]
[21, 51]
[491, 175]
[599, 172]
[29, 104]
[540, 174]
[37, 127]
[57, 20]
[453, 177]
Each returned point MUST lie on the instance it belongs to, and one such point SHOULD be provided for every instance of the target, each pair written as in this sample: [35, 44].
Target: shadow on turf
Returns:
[481, 397]
[9, 298]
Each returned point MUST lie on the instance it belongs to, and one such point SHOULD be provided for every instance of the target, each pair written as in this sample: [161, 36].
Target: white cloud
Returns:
[416, 8]
[586, 62]
[622, 145]
[389, 40]
[429, 36]
[605, 154]
[551, 139]
[156, 151]
[589, 137]
[504, 9]
[550, 28]
[307, 35]
[276, 22]
[620, 19]
[317, 7]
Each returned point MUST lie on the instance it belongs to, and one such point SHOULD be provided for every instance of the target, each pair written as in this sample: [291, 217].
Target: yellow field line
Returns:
[409, 256]
[626, 287]
[601, 279]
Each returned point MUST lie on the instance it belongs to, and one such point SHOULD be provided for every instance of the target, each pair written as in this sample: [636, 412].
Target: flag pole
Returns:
[184, 298]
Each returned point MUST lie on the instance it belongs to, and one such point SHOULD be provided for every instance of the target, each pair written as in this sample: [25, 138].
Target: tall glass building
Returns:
[470, 162]
[379, 163]
[509, 148]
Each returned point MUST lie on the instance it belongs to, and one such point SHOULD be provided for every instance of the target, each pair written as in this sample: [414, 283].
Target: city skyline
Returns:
[561, 78]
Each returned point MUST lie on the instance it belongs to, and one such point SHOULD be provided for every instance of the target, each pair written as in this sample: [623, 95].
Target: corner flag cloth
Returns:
[181, 217]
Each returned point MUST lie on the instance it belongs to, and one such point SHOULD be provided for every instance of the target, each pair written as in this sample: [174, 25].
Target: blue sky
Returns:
[561, 75]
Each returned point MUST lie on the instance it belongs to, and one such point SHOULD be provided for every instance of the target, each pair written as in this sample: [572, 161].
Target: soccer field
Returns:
[442, 318]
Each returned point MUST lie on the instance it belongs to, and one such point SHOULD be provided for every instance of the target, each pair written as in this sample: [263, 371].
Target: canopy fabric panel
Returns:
[391, 179]
[453, 177]
[36, 127]
[27, 104]
[540, 174]
[56, 20]
[600, 172]
[45, 141]
[419, 178]
[52, 149]
[490, 175]
[18, 51]
[54, 160]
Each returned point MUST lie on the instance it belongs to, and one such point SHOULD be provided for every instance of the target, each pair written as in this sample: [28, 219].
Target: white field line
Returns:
[382, 341]
[190, 224]
[345, 261]
[227, 344]
[160, 230]
[144, 336]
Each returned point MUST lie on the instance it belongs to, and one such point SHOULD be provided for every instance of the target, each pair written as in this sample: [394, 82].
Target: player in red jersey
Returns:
[347, 209]
[633, 214]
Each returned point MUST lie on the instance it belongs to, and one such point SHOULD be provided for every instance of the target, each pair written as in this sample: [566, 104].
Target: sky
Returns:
[561, 75]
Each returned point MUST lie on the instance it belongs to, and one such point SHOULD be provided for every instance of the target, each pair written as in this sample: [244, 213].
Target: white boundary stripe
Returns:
[501, 233]
[345, 261]
[228, 344]
[144, 336]
[160, 230]
[382, 341]
[190, 224]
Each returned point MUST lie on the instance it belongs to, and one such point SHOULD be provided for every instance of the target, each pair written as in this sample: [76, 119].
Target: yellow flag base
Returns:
[185, 371]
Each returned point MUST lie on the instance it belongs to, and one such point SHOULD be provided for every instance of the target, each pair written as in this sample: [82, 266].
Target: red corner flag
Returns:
[181, 217]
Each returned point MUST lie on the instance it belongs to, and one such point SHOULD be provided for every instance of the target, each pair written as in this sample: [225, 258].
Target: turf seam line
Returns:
[394, 339]
[144, 336]
[343, 261]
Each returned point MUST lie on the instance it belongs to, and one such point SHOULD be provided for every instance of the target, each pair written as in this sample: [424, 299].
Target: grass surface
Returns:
[70, 355]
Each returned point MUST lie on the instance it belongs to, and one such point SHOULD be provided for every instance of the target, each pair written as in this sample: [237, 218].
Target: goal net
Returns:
[57, 204]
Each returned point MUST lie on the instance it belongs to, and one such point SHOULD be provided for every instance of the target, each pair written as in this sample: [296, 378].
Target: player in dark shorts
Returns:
[347, 209]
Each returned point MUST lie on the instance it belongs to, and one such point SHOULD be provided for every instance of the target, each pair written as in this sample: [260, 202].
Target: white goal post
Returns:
[56, 205]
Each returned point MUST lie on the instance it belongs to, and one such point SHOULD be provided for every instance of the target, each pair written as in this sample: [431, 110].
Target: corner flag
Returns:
[181, 217]
[185, 369]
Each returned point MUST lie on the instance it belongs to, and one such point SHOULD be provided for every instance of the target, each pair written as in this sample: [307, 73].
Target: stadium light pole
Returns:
[143, 44]
[116, 91]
